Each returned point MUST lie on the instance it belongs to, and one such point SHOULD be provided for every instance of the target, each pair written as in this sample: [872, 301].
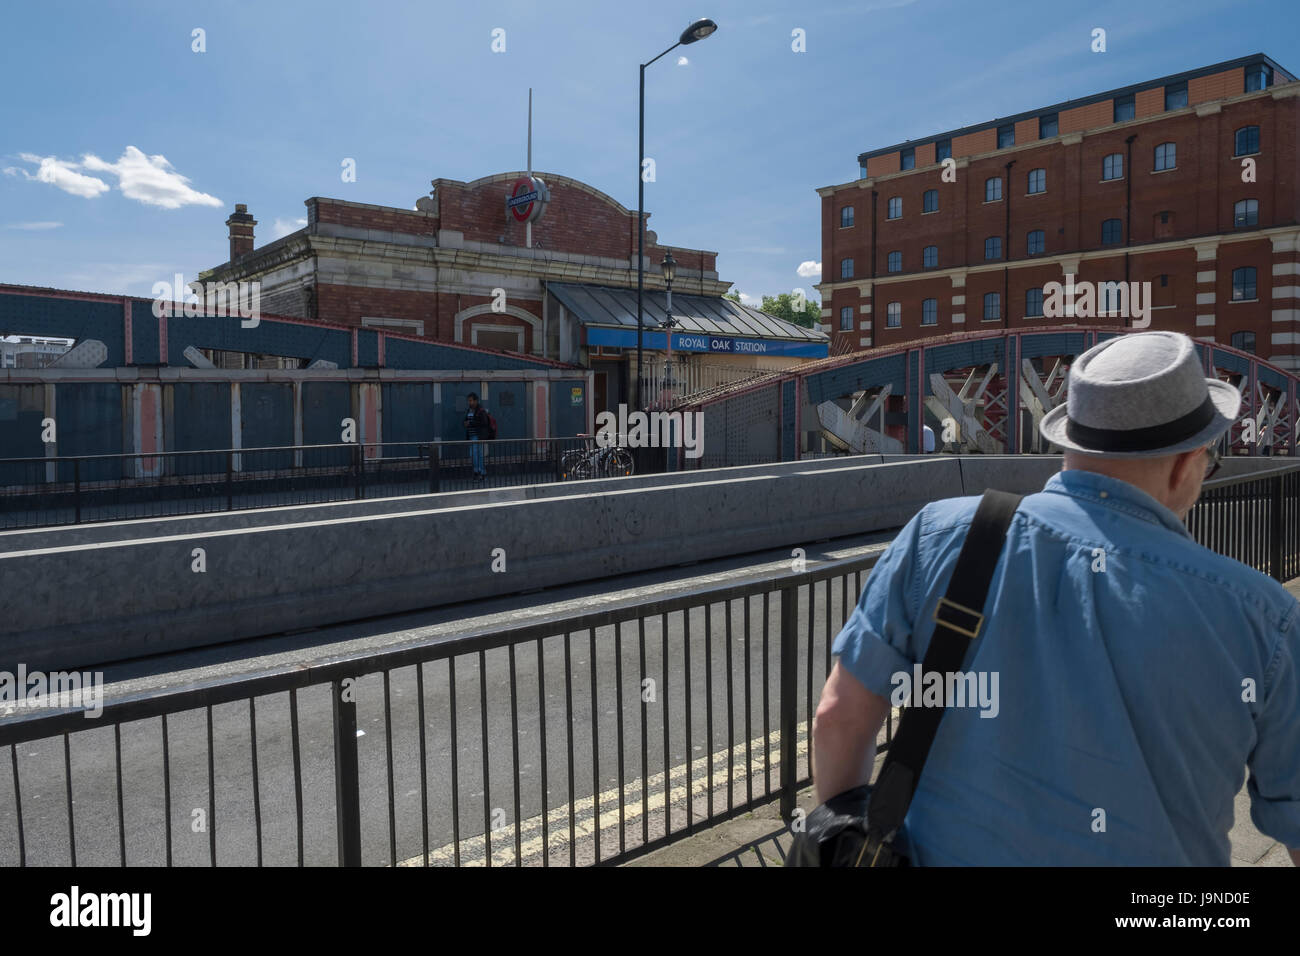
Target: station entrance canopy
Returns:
[703, 323]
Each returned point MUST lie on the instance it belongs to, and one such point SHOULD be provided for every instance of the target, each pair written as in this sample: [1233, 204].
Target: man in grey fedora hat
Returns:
[1141, 674]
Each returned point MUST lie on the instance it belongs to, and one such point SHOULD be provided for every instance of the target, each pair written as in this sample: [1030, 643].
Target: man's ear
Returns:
[1185, 465]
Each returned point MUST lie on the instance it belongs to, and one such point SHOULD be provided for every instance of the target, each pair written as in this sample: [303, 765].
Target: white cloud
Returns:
[682, 61]
[147, 179]
[809, 268]
[119, 278]
[34, 226]
[62, 175]
[282, 227]
[753, 301]
[150, 180]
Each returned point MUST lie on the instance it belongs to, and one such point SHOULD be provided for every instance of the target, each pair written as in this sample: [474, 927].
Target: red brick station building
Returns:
[567, 292]
[1188, 182]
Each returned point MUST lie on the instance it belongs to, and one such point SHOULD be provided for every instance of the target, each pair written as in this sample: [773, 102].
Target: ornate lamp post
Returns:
[669, 269]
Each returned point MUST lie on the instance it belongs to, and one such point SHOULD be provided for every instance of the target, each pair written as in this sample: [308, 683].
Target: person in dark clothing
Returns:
[477, 428]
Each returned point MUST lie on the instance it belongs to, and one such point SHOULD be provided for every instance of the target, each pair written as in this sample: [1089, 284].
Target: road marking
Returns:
[584, 808]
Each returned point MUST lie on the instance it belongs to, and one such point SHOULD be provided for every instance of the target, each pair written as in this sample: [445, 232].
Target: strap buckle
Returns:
[975, 626]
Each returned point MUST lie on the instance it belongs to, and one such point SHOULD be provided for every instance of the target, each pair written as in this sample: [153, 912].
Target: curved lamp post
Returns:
[696, 31]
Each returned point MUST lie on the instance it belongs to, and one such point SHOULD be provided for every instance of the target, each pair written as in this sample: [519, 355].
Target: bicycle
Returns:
[613, 461]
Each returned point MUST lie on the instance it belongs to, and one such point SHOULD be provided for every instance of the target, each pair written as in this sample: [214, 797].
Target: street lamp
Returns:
[696, 31]
[669, 268]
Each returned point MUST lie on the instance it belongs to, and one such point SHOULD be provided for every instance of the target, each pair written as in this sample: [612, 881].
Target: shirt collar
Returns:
[1113, 493]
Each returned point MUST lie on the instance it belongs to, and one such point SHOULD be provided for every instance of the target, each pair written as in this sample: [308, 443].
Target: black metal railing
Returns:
[1254, 519]
[591, 739]
[588, 740]
[41, 492]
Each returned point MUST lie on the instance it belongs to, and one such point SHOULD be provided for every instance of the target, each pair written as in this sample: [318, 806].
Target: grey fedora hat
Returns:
[1141, 395]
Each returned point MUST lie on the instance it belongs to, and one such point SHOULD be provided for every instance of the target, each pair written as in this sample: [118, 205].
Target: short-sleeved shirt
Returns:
[1138, 675]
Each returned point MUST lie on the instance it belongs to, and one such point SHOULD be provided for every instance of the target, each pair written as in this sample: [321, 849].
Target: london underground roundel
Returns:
[527, 199]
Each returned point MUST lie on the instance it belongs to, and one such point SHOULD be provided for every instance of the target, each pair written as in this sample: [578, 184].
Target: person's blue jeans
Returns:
[476, 456]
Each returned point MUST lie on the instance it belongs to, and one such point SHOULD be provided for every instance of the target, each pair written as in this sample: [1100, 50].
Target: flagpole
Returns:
[528, 228]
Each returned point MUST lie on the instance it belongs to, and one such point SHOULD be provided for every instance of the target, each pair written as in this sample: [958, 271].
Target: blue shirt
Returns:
[1120, 691]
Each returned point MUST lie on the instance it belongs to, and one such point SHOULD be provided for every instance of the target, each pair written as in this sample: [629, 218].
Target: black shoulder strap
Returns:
[959, 619]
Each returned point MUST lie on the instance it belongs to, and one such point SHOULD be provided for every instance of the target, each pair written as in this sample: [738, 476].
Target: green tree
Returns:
[783, 307]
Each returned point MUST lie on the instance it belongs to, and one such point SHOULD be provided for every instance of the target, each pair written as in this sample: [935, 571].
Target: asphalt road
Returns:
[469, 784]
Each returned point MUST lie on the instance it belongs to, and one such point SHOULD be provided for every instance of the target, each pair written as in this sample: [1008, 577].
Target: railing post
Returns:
[347, 782]
[1275, 530]
[356, 470]
[435, 469]
[555, 458]
[789, 711]
[230, 486]
[76, 482]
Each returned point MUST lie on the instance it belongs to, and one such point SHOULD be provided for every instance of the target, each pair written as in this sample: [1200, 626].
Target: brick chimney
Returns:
[241, 232]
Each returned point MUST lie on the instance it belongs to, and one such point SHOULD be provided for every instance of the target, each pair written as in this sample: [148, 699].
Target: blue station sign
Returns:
[702, 342]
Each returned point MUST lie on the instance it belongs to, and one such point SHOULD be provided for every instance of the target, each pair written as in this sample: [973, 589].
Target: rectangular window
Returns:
[907, 158]
[1259, 77]
[1036, 243]
[930, 201]
[1176, 96]
[1247, 140]
[1049, 125]
[895, 262]
[1243, 284]
[1244, 341]
[993, 305]
[993, 247]
[993, 189]
[930, 312]
[846, 217]
[1166, 156]
[893, 315]
[930, 257]
[1006, 136]
[1124, 108]
[846, 268]
[1033, 303]
[1245, 214]
[1037, 181]
[895, 208]
[1112, 232]
[1108, 297]
[846, 319]
[942, 150]
[1112, 167]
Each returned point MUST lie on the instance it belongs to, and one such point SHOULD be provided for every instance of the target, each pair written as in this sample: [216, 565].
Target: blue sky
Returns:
[123, 151]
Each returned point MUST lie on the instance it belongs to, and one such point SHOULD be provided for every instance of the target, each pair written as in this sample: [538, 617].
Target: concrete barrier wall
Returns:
[78, 604]
[78, 596]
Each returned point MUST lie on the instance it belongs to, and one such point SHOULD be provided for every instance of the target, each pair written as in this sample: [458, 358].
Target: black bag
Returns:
[859, 826]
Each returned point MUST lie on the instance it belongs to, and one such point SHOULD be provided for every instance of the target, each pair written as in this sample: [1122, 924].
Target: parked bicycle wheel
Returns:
[618, 463]
[570, 463]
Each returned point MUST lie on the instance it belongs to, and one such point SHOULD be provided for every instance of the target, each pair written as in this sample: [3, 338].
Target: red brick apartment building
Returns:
[1140, 184]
